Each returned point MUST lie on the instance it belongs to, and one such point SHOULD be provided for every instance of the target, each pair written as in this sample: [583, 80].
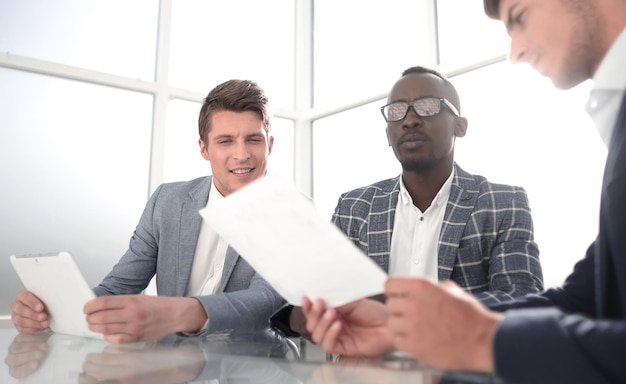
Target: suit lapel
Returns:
[381, 218]
[229, 264]
[606, 280]
[460, 205]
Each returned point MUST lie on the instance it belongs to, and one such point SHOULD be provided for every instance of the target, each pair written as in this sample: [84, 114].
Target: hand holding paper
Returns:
[281, 235]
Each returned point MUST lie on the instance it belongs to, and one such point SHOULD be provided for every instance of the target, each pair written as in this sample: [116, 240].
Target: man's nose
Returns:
[412, 118]
[241, 151]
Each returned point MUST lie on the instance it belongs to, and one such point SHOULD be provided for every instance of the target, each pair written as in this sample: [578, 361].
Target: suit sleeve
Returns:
[246, 309]
[514, 267]
[545, 345]
[554, 337]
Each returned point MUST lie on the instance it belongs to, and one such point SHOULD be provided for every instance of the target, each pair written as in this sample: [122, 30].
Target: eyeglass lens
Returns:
[428, 106]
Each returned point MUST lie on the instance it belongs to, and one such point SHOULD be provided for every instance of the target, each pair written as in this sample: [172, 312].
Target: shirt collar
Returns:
[442, 196]
[609, 83]
[610, 74]
[215, 196]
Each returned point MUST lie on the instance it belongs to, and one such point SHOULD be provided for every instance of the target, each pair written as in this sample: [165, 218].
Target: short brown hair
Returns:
[235, 96]
[492, 8]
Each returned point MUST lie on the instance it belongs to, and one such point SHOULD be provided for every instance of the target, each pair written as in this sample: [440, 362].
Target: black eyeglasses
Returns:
[425, 106]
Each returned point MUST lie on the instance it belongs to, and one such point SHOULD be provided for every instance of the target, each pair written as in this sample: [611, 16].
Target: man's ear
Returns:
[460, 126]
[387, 133]
[204, 150]
[270, 144]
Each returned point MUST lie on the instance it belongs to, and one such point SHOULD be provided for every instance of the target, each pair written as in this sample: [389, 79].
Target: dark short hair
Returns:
[454, 95]
[235, 96]
[492, 8]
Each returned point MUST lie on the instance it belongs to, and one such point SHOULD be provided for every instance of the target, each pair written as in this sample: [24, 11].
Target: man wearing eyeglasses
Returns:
[435, 220]
[575, 333]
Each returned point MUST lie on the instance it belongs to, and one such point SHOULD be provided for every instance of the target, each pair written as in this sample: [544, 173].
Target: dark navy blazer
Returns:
[577, 333]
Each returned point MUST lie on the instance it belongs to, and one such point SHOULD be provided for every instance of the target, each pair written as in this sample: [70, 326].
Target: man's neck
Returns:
[424, 186]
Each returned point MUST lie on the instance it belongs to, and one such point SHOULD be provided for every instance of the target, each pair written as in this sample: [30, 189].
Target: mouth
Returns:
[412, 138]
[241, 171]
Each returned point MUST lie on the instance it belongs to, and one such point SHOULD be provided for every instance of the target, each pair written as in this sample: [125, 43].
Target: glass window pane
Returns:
[523, 131]
[246, 39]
[74, 159]
[113, 36]
[350, 150]
[466, 35]
[364, 58]
[281, 160]
[183, 160]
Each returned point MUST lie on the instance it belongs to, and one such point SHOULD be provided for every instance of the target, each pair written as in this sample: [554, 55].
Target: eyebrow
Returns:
[258, 134]
[222, 136]
[230, 136]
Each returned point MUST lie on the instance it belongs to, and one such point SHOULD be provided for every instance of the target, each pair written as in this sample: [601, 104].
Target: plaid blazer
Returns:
[486, 243]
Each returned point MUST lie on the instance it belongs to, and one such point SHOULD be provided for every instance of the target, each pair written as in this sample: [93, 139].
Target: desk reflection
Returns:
[390, 369]
[57, 358]
[251, 358]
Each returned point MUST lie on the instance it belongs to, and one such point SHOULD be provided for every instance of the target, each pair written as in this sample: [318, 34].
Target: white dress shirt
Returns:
[609, 85]
[208, 261]
[415, 237]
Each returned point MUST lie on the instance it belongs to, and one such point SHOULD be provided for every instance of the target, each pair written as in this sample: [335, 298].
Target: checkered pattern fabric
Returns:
[486, 243]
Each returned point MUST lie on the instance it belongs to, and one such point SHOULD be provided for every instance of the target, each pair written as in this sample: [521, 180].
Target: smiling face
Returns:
[238, 146]
[561, 39]
[424, 143]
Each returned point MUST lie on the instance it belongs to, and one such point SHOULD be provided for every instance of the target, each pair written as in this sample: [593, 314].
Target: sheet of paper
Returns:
[278, 231]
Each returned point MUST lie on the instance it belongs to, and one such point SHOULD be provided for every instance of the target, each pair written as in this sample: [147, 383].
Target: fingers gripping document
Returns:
[279, 233]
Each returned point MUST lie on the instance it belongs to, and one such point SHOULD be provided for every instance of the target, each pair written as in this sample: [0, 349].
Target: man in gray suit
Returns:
[203, 285]
[435, 220]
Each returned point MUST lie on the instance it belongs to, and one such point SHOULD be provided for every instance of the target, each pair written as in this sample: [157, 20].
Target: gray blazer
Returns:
[486, 242]
[164, 244]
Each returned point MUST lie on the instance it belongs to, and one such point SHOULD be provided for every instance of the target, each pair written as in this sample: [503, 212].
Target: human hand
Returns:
[440, 324]
[357, 328]
[28, 313]
[129, 318]
[26, 354]
[151, 364]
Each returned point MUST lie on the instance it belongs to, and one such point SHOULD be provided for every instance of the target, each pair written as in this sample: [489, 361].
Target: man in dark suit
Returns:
[574, 333]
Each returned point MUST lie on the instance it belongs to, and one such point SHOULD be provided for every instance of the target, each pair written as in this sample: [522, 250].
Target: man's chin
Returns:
[565, 80]
[241, 180]
[416, 166]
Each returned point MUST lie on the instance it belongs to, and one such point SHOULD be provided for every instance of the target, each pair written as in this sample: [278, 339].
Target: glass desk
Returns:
[251, 358]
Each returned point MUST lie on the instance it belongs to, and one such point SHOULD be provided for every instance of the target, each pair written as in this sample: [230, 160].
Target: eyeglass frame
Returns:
[410, 104]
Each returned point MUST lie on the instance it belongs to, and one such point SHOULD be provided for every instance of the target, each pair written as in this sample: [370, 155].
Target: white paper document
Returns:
[278, 231]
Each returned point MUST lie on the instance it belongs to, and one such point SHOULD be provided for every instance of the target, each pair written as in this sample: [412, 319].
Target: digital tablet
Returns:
[56, 280]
